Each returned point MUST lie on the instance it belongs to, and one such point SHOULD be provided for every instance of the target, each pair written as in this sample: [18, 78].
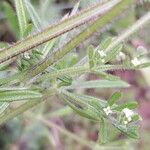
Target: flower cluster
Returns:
[128, 114]
[121, 56]
[135, 62]
[107, 110]
[102, 55]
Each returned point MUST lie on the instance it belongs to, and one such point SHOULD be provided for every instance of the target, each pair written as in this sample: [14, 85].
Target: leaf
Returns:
[129, 131]
[113, 53]
[21, 15]
[135, 117]
[18, 110]
[90, 52]
[132, 133]
[11, 18]
[144, 65]
[105, 75]
[83, 105]
[105, 43]
[3, 107]
[9, 96]
[27, 30]
[129, 105]
[98, 84]
[113, 98]
[102, 135]
[33, 15]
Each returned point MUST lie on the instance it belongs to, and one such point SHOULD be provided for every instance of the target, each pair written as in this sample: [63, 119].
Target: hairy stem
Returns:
[136, 26]
[100, 22]
[80, 140]
[55, 30]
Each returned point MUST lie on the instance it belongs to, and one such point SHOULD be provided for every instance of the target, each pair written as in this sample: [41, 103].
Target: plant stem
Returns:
[100, 22]
[136, 26]
[55, 30]
[69, 71]
[82, 141]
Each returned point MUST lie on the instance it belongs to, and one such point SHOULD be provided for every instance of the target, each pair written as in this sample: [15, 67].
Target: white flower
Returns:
[135, 61]
[27, 55]
[125, 122]
[129, 119]
[107, 110]
[128, 113]
[103, 60]
[102, 54]
[121, 56]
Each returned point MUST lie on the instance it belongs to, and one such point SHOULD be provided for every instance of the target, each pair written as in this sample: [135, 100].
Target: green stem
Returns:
[100, 22]
[54, 31]
[132, 29]
[82, 141]
[67, 71]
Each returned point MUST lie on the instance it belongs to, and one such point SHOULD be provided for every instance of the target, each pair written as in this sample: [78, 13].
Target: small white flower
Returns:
[129, 119]
[125, 122]
[103, 60]
[107, 110]
[128, 113]
[121, 56]
[27, 55]
[135, 61]
[102, 54]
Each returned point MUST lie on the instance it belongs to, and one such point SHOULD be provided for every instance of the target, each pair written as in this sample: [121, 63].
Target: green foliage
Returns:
[44, 68]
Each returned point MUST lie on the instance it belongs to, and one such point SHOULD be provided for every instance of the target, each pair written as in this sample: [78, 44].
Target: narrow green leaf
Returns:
[3, 107]
[105, 75]
[144, 65]
[11, 18]
[19, 4]
[113, 98]
[99, 84]
[105, 43]
[91, 56]
[113, 53]
[102, 135]
[129, 105]
[33, 15]
[27, 30]
[81, 106]
[9, 96]
[135, 117]
[132, 133]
